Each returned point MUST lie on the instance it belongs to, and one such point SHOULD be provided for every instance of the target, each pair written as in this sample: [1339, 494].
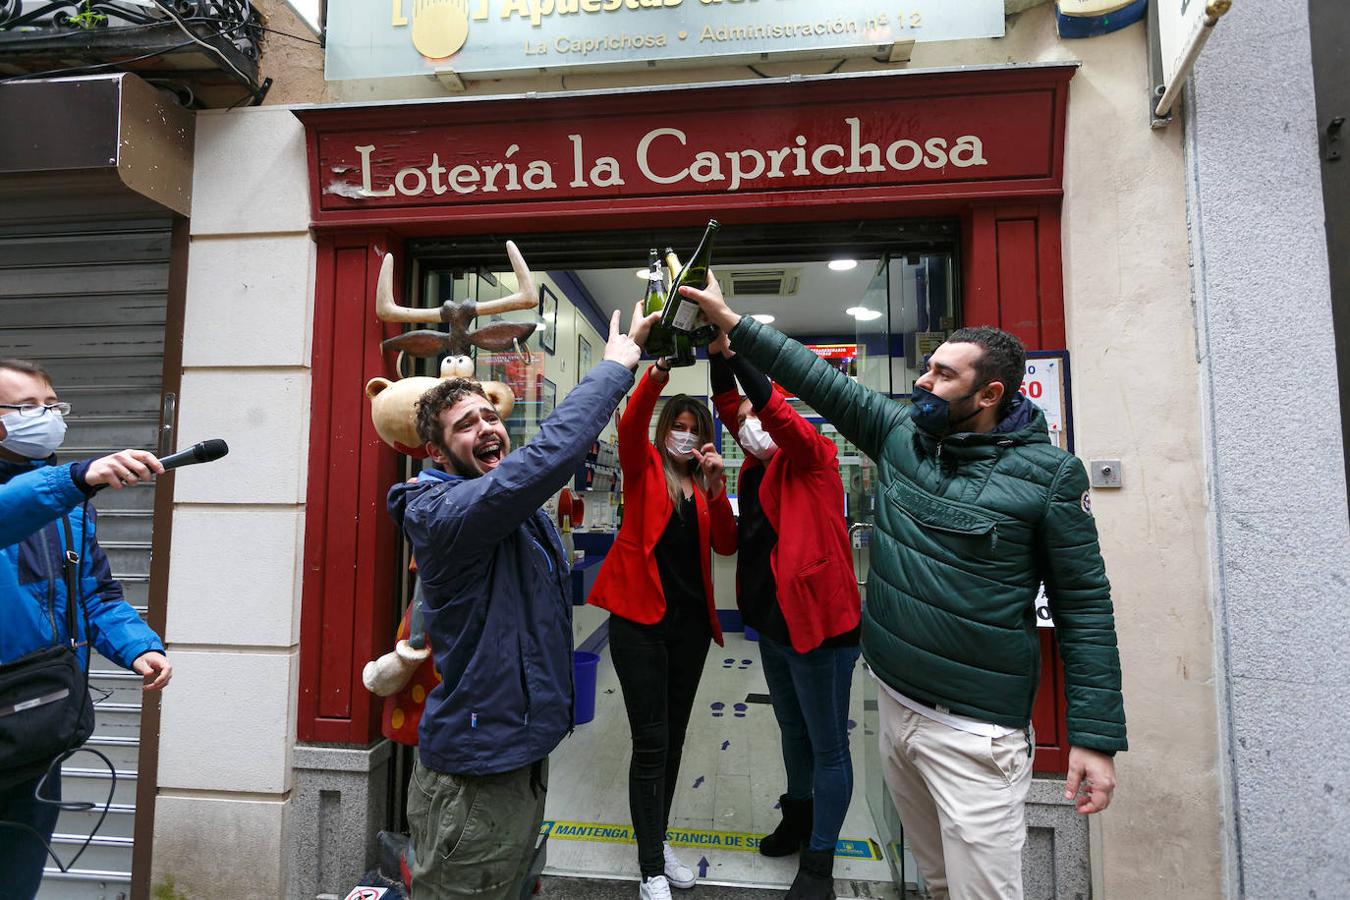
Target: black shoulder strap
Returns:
[70, 566]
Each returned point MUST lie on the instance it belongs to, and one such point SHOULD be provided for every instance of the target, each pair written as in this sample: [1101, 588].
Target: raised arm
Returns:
[861, 414]
[472, 516]
[634, 425]
[794, 436]
[726, 399]
[864, 416]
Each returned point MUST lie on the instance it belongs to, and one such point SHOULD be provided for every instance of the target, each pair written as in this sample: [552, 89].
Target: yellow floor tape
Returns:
[600, 833]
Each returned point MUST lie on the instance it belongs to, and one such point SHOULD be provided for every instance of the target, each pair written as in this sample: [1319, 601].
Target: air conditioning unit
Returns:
[776, 282]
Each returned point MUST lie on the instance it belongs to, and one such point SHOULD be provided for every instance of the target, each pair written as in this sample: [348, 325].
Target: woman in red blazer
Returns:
[657, 584]
[795, 585]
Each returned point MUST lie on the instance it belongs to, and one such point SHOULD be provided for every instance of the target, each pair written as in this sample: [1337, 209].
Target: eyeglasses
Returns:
[33, 410]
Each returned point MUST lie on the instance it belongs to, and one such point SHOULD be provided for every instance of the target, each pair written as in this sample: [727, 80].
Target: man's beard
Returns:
[957, 420]
[463, 469]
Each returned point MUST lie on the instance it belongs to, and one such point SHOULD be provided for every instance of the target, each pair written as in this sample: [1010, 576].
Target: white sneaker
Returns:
[655, 888]
[677, 873]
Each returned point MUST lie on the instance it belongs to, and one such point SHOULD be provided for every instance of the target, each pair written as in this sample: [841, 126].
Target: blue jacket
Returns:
[495, 587]
[33, 498]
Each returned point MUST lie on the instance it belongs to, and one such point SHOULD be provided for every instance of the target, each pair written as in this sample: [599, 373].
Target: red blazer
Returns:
[629, 584]
[812, 564]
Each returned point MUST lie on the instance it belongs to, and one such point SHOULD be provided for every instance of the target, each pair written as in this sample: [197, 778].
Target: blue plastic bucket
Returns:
[584, 668]
[751, 634]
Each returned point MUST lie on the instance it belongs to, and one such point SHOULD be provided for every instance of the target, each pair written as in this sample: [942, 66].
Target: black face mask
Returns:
[933, 413]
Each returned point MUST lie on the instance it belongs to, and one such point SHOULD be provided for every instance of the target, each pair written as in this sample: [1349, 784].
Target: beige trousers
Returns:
[961, 799]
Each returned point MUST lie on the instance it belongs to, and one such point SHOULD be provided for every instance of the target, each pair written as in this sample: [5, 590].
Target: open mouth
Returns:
[489, 453]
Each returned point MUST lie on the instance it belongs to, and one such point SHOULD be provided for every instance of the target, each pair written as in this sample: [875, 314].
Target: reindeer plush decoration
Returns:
[394, 412]
[392, 402]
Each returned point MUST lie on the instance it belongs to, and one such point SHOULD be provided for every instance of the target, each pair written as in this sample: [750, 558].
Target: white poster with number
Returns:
[1044, 386]
[1043, 616]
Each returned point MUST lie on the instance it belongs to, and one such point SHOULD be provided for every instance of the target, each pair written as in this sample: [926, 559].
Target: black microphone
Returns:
[206, 451]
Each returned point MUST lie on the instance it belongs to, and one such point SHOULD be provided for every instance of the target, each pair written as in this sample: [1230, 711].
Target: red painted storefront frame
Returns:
[1011, 276]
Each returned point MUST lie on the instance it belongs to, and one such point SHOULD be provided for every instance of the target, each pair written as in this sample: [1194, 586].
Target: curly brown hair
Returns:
[438, 399]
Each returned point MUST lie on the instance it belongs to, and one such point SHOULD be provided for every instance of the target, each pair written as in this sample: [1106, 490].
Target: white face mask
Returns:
[681, 444]
[35, 437]
[756, 440]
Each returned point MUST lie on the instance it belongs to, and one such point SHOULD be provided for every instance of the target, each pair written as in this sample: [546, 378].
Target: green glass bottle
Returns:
[660, 340]
[684, 351]
[682, 313]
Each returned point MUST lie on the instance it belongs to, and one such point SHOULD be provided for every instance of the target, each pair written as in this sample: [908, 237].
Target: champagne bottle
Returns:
[684, 351]
[660, 341]
[682, 348]
[682, 313]
[569, 544]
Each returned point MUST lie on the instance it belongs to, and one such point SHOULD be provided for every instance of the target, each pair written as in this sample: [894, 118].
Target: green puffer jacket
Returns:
[967, 529]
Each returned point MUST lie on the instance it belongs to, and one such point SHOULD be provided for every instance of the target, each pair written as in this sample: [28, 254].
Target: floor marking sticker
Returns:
[600, 833]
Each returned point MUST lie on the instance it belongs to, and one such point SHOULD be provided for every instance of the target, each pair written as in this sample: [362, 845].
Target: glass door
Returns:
[873, 335]
[908, 309]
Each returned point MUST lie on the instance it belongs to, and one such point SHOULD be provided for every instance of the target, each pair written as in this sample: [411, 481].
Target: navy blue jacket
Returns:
[495, 587]
[33, 498]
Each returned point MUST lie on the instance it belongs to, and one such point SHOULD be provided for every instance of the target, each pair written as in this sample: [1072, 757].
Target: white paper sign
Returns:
[1043, 619]
[1042, 387]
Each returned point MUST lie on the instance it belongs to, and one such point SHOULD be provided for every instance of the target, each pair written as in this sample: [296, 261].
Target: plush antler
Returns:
[458, 314]
[525, 298]
[387, 309]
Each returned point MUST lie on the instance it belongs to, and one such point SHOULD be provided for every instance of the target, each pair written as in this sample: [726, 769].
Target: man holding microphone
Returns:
[36, 495]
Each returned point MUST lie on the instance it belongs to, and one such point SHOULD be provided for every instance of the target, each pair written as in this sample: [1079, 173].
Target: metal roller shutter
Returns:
[88, 302]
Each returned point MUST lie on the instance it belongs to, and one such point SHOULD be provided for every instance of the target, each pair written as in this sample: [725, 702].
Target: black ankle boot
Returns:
[815, 877]
[793, 832]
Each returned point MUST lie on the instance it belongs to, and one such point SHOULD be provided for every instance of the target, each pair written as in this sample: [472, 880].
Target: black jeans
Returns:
[22, 855]
[659, 667]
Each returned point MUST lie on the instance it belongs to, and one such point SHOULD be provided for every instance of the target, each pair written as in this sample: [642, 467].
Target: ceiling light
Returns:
[843, 265]
[643, 273]
[863, 314]
[762, 317]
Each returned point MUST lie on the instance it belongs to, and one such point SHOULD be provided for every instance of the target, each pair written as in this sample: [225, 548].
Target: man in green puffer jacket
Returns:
[975, 509]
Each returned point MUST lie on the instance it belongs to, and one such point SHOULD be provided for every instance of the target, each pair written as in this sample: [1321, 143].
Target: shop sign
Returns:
[1183, 28]
[495, 38]
[865, 143]
[1178, 20]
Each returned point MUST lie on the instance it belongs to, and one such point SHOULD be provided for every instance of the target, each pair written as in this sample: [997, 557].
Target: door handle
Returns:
[855, 529]
[168, 418]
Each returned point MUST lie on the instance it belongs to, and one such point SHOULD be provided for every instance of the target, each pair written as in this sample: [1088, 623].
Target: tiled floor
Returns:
[730, 781]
